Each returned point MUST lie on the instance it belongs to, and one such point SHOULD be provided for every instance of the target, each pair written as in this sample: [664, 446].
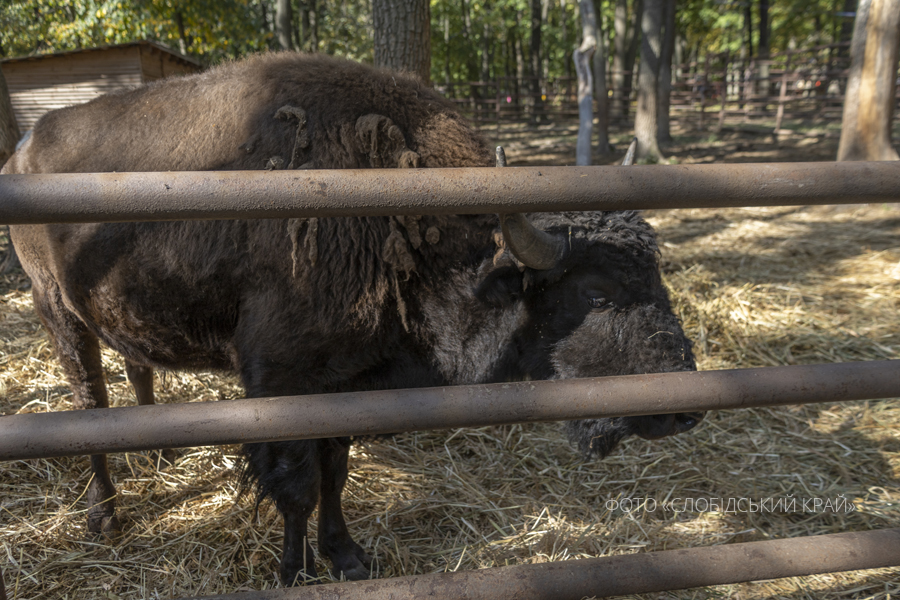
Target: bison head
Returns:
[595, 305]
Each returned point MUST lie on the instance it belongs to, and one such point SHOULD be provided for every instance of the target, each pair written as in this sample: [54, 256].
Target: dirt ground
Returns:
[799, 140]
[753, 287]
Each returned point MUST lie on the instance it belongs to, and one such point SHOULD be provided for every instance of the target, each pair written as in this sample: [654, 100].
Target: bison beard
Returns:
[330, 305]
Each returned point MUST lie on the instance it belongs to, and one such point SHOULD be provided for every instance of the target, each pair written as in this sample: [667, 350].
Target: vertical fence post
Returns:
[782, 96]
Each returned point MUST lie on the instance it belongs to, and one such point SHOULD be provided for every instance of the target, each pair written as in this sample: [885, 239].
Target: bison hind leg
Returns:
[141, 379]
[347, 557]
[288, 473]
[78, 351]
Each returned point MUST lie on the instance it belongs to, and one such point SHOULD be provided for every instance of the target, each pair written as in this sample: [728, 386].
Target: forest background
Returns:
[470, 40]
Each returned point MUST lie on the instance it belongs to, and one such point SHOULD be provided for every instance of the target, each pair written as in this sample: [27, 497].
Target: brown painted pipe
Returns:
[41, 435]
[619, 575]
[58, 198]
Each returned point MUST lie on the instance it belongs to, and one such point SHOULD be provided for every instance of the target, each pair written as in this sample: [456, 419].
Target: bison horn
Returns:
[533, 247]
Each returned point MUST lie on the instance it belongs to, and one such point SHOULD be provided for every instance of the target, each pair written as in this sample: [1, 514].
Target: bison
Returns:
[303, 306]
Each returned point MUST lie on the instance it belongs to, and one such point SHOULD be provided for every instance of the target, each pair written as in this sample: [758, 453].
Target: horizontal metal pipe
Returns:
[620, 575]
[57, 198]
[41, 435]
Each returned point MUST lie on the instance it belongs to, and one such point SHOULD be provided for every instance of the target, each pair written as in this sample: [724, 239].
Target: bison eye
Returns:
[598, 302]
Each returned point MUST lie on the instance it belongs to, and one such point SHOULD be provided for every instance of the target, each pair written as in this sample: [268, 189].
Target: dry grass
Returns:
[754, 288]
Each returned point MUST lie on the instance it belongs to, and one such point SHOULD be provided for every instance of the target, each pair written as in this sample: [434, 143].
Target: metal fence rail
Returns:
[618, 575]
[393, 411]
[32, 199]
[366, 192]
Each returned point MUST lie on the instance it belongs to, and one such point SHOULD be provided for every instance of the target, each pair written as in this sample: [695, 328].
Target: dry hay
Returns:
[754, 287]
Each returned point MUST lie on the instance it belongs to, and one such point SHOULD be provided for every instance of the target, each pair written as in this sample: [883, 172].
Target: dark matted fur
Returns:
[302, 306]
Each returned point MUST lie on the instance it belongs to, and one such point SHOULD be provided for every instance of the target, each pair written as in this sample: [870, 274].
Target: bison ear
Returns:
[501, 288]
[384, 143]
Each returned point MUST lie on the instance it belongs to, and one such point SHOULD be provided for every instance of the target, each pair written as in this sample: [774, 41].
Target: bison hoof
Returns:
[356, 573]
[354, 566]
[108, 525]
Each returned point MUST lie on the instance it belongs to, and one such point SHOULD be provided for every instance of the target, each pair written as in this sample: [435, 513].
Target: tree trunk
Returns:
[471, 59]
[536, 62]
[448, 72]
[582, 58]
[645, 121]
[600, 87]
[847, 27]
[403, 36]
[283, 23]
[766, 85]
[869, 101]
[634, 41]
[564, 36]
[486, 50]
[309, 30]
[520, 65]
[665, 73]
[183, 43]
[748, 26]
[618, 108]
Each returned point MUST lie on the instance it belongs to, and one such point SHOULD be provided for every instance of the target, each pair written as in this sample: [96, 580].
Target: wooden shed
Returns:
[44, 82]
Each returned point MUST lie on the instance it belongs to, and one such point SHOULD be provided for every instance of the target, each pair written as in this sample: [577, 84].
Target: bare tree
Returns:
[600, 83]
[645, 120]
[283, 23]
[403, 36]
[869, 100]
[582, 58]
[309, 31]
[619, 108]
[634, 41]
[537, 65]
[665, 73]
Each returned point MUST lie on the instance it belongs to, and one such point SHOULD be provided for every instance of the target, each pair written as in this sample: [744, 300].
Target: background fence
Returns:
[797, 84]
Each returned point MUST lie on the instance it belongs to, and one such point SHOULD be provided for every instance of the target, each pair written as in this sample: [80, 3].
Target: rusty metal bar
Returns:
[620, 575]
[373, 412]
[336, 193]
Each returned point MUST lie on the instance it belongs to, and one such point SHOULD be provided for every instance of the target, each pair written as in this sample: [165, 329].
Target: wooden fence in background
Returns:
[805, 83]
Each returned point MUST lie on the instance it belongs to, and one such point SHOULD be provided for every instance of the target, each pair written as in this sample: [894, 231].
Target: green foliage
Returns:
[718, 25]
[345, 29]
[501, 30]
[214, 29]
[471, 39]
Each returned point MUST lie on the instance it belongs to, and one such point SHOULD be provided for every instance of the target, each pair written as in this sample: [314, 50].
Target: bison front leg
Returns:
[288, 473]
[78, 351]
[346, 556]
[141, 379]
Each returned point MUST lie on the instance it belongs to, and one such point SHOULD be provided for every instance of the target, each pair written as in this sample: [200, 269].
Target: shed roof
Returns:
[147, 43]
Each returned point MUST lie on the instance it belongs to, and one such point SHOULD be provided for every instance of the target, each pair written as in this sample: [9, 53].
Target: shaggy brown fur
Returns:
[301, 306]
[223, 119]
